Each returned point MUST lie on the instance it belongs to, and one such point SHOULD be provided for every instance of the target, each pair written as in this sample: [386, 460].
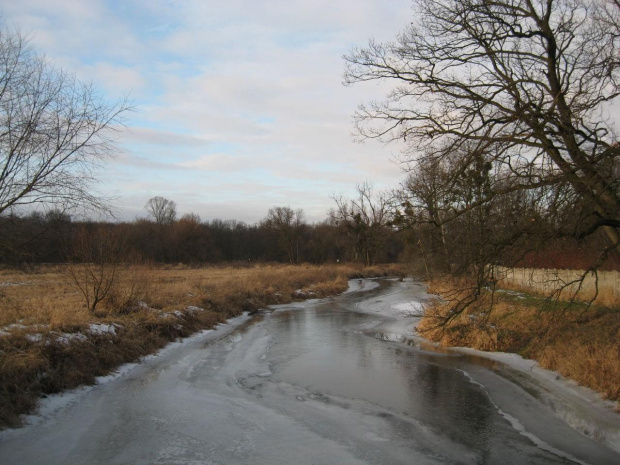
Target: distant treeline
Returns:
[368, 229]
[52, 237]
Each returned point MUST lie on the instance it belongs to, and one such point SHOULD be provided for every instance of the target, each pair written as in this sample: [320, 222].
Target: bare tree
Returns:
[54, 131]
[364, 220]
[525, 83]
[425, 199]
[288, 223]
[95, 263]
[162, 210]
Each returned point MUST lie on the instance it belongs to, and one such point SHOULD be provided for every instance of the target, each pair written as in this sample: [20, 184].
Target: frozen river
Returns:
[333, 381]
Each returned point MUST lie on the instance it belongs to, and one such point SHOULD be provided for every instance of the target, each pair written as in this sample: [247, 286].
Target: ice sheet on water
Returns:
[582, 408]
[357, 285]
[412, 308]
[518, 426]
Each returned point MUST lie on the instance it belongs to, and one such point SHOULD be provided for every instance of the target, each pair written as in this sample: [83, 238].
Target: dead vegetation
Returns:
[51, 337]
[580, 342]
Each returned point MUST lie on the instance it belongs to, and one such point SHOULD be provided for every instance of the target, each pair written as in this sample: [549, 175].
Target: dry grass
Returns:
[579, 342]
[603, 287]
[46, 344]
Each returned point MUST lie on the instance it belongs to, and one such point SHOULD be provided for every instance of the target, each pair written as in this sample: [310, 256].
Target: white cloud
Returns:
[239, 104]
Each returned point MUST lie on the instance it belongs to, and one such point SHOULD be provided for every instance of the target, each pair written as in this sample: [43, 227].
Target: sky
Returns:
[239, 105]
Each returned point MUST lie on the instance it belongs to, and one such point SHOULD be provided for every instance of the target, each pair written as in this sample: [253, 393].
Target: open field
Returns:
[603, 287]
[50, 340]
[580, 342]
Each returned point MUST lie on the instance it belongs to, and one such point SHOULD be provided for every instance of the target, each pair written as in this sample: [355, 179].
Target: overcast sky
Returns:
[239, 104]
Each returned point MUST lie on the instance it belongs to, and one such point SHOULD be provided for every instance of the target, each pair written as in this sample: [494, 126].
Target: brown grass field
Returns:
[48, 343]
[580, 342]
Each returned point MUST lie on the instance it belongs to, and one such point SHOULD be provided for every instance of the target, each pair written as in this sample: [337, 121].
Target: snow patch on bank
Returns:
[101, 329]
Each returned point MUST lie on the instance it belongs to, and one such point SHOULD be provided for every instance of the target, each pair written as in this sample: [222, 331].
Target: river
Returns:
[341, 380]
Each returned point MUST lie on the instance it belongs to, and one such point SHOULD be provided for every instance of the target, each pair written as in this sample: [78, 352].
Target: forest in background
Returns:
[55, 238]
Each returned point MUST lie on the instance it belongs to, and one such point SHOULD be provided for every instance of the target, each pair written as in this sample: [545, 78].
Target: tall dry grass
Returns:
[46, 340]
[602, 287]
[578, 341]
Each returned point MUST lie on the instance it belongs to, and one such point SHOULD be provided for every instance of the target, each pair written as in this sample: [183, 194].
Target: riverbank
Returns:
[579, 342]
[51, 342]
[309, 376]
[521, 385]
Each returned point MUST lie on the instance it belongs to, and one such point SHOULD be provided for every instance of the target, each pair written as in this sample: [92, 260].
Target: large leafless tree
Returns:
[162, 210]
[289, 224]
[524, 84]
[54, 131]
